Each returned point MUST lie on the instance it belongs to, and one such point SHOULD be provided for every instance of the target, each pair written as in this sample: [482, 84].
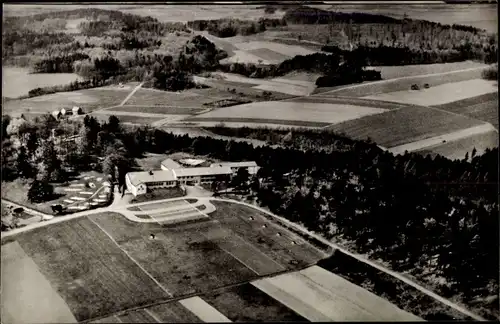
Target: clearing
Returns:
[288, 113]
[18, 81]
[92, 274]
[320, 295]
[440, 94]
[27, 296]
[402, 126]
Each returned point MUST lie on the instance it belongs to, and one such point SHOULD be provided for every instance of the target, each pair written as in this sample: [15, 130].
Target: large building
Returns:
[170, 164]
[138, 183]
[202, 175]
[251, 166]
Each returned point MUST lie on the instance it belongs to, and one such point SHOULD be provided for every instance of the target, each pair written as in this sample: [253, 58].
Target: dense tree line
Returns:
[59, 64]
[227, 27]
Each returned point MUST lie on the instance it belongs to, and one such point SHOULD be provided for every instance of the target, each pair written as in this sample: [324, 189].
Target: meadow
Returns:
[403, 126]
[185, 99]
[440, 94]
[289, 113]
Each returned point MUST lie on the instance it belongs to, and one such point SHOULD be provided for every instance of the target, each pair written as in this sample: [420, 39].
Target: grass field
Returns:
[245, 303]
[318, 98]
[254, 122]
[169, 110]
[384, 86]
[27, 296]
[165, 204]
[457, 149]
[391, 72]
[269, 55]
[440, 94]
[289, 112]
[403, 126]
[320, 295]
[185, 99]
[180, 258]
[18, 81]
[88, 100]
[173, 312]
[138, 316]
[203, 310]
[484, 107]
[92, 274]
[131, 119]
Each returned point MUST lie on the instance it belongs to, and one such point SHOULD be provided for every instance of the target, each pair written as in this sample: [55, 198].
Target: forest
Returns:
[227, 27]
[434, 218]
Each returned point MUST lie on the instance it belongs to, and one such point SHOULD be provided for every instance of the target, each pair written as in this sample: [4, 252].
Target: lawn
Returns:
[173, 312]
[169, 110]
[87, 99]
[320, 295]
[180, 258]
[158, 194]
[404, 126]
[484, 107]
[161, 205]
[440, 94]
[245, 303]
[92, 274]
[289, 113]
[27, 296]
[236, 218]
[457, 149]
[384, 86]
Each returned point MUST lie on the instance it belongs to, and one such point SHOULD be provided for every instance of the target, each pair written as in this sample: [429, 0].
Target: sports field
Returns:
[402, 126]
[289, 112]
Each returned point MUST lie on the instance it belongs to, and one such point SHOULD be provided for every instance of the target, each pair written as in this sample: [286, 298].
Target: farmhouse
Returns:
[77, 110]
[56, 114]
[138, 183]
[170, 164]
[251, 166]
[202, 175]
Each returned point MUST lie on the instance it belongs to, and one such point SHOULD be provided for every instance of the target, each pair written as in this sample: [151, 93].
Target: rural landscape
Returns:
[249, 162]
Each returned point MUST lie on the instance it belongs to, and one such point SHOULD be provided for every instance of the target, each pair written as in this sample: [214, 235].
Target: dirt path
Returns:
[131, 94]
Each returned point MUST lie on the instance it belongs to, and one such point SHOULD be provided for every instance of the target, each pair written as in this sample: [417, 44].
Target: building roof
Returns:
[189, 172]
[137, 178]
[192, 162]
[170, 164]
[244, 164]
[76, 108]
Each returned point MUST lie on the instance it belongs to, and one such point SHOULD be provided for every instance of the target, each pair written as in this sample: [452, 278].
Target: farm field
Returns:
[31, 299]
[320, 295]
[90, 284]
[484, 107]
[87, 99]
[349, 101]
[457, 149]
[168, 110]
[137, 117]
[254, 122]
[173, 312]
[402, 126]
[245, 303]
[391, 72]
[440, 94]
[288, 113]
[203, 310]
[385, 86]
[18, 81]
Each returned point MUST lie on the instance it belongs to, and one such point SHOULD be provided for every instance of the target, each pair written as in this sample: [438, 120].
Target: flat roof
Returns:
[243, 164]
[137, 178]
[191, 161]
[170, 164]
[189, 172]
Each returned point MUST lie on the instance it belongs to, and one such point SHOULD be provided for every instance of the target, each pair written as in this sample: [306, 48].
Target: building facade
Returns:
[251, 166]
[202, 175]
[138, 183]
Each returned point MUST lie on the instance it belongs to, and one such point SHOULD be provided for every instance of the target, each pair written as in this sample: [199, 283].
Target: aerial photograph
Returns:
[298, 161]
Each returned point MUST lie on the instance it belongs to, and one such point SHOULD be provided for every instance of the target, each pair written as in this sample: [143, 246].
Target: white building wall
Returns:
[130, 187]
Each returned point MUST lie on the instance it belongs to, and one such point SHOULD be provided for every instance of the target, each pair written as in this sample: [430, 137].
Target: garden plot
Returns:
[440, 94]
[320, 295]
[27, 295]
[270, 112]
[92, 274]
[402, 126]
[245, 303]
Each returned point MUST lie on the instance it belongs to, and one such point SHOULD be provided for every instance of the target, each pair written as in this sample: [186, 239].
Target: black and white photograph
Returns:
[249, 161]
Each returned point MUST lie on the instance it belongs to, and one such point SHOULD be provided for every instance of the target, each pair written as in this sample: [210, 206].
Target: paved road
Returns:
[360, 258]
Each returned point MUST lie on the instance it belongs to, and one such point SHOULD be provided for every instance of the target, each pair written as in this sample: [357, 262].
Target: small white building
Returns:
[138, 183]
[170, 164]
[56, 114]
[251, 166]
[77, 110]
[202, 175]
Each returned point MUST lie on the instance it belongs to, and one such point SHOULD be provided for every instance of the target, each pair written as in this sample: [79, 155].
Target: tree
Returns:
[40, 191]
[241, 178]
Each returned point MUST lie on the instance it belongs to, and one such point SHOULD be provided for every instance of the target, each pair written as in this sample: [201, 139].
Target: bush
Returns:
[40, 191]
[491, 73]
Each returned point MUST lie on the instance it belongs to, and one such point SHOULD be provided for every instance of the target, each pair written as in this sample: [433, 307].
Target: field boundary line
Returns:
[366, 261]
[131, 94]
[150, 313]
[130, 257]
